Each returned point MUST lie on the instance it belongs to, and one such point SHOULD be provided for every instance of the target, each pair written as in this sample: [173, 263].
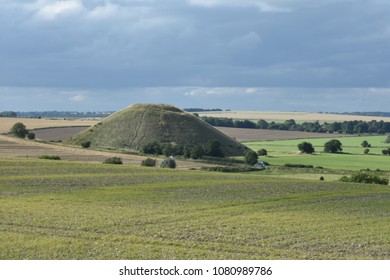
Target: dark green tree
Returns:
[168, 163]
[168, 149]
[365, 144]
[19, 130]
[262, 124]
[306, 147]
[31, 135]
[213, 148]
[333, 146]
[262, 152]
[197, 152]
[251, 157]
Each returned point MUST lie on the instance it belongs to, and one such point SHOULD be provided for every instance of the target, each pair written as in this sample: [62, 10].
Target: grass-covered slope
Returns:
[68, 210]
[140, 124]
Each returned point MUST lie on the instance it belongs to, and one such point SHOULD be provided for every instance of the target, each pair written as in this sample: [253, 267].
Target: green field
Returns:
[69, 210]
[352, 158]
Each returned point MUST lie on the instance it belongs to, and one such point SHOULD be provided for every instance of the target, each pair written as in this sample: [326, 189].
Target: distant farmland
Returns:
[297, 116]
[7, 123]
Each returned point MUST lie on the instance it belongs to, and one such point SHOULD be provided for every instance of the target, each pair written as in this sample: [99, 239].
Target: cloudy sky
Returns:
[284, 55]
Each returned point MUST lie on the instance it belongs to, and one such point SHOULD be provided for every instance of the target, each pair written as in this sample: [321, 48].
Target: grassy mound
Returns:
[140, 124]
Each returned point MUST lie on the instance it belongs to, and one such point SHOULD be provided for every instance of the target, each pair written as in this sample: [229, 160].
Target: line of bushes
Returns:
[362, 177]
[212, 148]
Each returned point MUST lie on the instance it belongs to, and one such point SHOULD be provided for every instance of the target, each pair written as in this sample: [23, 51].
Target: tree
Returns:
[19, 130]
[306, 147]
[262, 152]
[148, 162]
[197, 152]
[365, 144]
[213, 149]
[387, 139]
[168, 163]
[167, 149]
[31, 135]
[262, 124]
[333, 146]
[86, 144]
[251, 157]
[366, 151]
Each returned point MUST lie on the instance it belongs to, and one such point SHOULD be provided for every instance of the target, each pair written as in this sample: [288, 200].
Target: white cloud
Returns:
[103, 12]
[77, 98]
[50, 11]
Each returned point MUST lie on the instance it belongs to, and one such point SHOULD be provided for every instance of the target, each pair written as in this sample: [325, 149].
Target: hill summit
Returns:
[140, 124]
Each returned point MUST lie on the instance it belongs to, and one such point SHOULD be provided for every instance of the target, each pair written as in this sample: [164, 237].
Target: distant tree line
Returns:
[345, 127]
[370, 114]
[8, 114]
[63, 114]
[202, 110]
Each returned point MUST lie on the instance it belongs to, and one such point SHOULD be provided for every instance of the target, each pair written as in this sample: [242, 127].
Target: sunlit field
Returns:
[70, 210]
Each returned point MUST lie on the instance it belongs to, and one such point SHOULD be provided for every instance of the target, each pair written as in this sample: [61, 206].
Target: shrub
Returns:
[251, 157]
[366, 178]
[86, 144]
[197, 152]
[298, 165]
[154, 148]
[148, 162]
[168, 149]
[333, 146]
[230, 169]
[306, 147]
[262, 152]
[387, 139]
[19, 130]
[51, 157]
[365, 144]
[386, 152]
[113, 160]
[31, 135]
[213, 148]
[168, 163]
[322, 178]
[366, 151]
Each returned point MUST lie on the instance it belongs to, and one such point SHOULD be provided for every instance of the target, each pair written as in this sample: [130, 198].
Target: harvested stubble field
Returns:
[70, 210]
[282, 116]
[19, 148]
[7, 123]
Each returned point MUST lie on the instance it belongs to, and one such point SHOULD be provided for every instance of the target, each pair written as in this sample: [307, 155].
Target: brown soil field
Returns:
[252, 135]
[282, 116]
[240, 134]
[7, 123]
[13, 147]
[57, 133]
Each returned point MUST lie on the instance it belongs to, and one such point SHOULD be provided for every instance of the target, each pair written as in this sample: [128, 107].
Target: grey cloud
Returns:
[105, 46]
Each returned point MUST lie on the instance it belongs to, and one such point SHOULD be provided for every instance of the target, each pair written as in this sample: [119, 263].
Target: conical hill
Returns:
[141, 124]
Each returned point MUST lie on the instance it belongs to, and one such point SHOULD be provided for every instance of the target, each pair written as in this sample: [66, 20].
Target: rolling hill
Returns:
[140, 124]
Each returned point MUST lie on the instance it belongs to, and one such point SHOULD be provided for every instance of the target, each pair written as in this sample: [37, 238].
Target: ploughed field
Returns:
[74, 210]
